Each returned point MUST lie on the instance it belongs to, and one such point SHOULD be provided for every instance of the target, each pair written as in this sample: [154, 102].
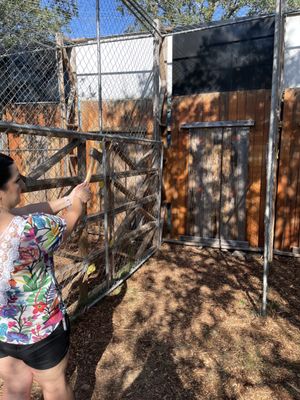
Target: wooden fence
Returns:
[234, 106]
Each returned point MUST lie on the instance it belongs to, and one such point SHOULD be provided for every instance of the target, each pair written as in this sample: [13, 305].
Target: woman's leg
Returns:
[17, 378]
[53, 382]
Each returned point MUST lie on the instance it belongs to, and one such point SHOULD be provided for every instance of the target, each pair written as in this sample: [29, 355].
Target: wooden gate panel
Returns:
[218, 181]
[204, 182]
[227, 214]
[234, 183]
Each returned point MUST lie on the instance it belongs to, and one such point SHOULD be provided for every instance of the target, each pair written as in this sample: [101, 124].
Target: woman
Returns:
[34, 327]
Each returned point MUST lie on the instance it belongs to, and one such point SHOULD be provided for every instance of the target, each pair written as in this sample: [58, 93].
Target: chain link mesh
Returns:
[88, 66]
[76, 65]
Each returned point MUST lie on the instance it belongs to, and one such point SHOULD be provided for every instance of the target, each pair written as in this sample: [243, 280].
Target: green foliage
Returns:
[188, 12]
[33, 21]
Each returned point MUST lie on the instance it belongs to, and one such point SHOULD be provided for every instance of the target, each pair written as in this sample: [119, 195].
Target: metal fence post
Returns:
[273, 146]
[98, 33]
[105, 161]
[156, 124]
[156, 83]
[159, 194]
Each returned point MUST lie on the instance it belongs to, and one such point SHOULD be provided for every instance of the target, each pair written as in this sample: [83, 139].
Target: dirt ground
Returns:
[186, 326]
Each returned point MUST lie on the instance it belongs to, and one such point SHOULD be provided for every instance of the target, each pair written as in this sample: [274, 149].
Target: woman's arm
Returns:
[72, 215]
[50, 207]
[74, 203]
[50, 230]
[80, 196]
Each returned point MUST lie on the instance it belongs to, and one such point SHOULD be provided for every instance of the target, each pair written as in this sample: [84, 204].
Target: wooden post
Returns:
[61, 83]
[72, 106]
[157, 42]
[75, 83]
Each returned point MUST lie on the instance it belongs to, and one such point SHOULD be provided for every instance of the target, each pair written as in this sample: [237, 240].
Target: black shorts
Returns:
[45, 354]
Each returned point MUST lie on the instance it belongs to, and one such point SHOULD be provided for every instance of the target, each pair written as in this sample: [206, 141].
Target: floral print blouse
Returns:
[30, 304]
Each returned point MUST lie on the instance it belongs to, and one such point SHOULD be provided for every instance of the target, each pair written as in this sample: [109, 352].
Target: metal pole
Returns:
[144, 17]
[160, 150]
[156, 60]
[273, 146]
[137, 16]
[169, 87]
[156, 124]
[105, 161]
[98, 33]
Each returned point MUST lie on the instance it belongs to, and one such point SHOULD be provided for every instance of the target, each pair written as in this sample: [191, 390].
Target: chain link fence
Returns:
[73, 67]
[93, 66]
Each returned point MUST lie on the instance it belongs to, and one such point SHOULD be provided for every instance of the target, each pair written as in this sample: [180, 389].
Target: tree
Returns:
[33, 21]
[188, 12]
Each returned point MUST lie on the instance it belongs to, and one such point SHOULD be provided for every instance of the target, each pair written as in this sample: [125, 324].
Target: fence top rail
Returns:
[218, 124]
[171, 31]
[11, 127]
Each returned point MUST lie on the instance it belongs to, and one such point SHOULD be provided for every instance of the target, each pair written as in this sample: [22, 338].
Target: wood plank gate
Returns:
[218, 182]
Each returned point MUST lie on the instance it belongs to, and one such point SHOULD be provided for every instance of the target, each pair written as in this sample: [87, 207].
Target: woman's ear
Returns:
[2, 193]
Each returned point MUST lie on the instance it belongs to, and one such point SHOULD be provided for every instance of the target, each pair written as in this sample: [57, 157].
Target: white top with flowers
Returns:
[29, 299]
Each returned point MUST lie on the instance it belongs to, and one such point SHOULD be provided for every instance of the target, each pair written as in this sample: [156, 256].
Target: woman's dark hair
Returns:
[5, 170]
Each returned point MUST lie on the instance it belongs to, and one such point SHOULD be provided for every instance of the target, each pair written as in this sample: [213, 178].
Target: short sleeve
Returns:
[48, 231]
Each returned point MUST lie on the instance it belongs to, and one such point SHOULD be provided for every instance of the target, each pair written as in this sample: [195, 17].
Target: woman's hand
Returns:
[81, 192]
[79, 196]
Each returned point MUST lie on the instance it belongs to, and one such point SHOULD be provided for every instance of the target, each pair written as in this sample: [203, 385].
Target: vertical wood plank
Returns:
[294, 173]
[211, 182]
[293, 168]
[264, 145]
[250, 227]
[258, 154]
[224, 106]
[205, 224]
[195, 184]
[294, 191]
[216, 179]
[297, 209]
[241, 105]
[227, 198]
[233, 106]
[228, 216]
[282, 223]
[241, 180]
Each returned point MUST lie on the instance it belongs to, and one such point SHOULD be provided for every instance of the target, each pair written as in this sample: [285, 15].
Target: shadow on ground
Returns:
[187, 327]
[90, 337]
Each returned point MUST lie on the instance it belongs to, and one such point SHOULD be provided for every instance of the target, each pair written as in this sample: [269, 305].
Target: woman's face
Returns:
[10, 195]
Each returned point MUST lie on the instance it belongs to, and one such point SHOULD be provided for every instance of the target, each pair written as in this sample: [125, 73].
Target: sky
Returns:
[111, 23]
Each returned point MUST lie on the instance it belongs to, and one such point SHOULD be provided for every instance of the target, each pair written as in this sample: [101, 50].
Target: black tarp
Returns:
[221, 59]
[29, 77]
